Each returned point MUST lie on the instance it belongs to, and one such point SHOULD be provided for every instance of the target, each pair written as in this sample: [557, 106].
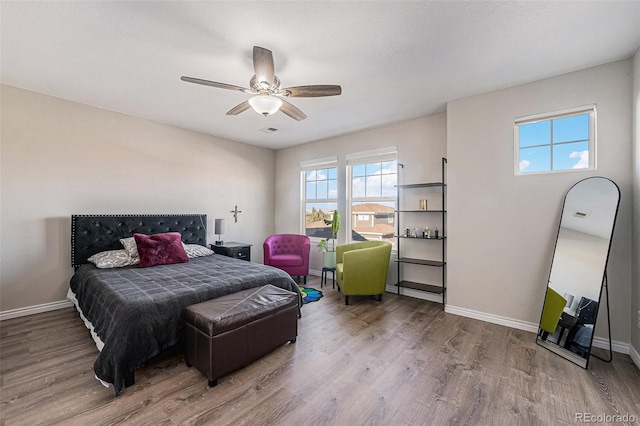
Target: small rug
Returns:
[310, 294]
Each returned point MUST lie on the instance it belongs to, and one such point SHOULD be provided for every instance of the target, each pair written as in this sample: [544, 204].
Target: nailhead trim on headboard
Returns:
[91, 234]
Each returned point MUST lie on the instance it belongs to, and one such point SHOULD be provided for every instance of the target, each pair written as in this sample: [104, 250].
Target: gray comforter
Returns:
[139, 312]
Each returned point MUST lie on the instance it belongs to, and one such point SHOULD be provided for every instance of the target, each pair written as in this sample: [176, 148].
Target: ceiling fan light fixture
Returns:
[265, 104]
[266, 89]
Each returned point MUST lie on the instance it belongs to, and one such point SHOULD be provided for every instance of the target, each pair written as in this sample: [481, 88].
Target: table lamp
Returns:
[219, 230]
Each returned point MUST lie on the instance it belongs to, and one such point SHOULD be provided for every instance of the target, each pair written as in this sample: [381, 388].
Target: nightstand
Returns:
[235, 250]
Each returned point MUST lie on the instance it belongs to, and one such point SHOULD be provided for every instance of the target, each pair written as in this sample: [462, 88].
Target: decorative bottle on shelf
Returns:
[427, 232]
[436, 232]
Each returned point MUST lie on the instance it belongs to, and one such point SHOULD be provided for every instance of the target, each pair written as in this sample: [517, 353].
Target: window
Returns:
[554, 142]
[320, 195]
[372, 196]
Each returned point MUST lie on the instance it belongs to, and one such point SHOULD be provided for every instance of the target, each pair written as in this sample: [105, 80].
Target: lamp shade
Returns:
[265, 104]
[219, 226]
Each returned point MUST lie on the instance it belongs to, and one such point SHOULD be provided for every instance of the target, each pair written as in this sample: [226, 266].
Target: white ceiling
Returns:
[394, 60]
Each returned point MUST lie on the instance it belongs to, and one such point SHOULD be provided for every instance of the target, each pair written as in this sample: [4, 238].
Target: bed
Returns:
[135, 315]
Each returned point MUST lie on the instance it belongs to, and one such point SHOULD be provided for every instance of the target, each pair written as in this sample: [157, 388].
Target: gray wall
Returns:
[503, 227]
[61, 158]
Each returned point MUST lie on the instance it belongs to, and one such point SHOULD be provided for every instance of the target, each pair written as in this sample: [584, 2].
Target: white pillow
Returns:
[113, 259]
[196, 250]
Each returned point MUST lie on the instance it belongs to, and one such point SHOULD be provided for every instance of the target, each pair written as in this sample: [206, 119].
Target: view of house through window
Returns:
[320, 200]
[556, 142]
[373, 200]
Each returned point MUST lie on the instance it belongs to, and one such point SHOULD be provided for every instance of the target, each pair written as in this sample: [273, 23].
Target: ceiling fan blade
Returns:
[239, 108]
[263, 65]
[292, 111]
[216, 84]
[313, 91]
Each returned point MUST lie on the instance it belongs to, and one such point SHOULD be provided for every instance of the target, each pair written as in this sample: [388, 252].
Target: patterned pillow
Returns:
[160, 249]
[196, 250]
[113, 259]
[130, 246]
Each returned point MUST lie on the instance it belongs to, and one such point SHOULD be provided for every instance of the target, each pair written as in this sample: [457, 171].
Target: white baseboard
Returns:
[598, 342]
[635, 356]
[431, 297]
[37, 309]
[315, 273]
[603, 343]
[494, 319]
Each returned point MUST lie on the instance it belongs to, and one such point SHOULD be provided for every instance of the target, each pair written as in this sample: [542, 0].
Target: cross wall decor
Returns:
[235, 212]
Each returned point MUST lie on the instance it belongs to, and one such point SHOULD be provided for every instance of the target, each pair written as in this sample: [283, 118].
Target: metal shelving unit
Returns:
[438, 263]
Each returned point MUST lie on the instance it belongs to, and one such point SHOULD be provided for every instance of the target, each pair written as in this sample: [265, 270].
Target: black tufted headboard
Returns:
[91, 234]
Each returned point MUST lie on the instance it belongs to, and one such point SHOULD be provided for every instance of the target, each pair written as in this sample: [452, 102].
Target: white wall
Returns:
[503, 227]
[635, 299]
[61, 158]
[421, 143]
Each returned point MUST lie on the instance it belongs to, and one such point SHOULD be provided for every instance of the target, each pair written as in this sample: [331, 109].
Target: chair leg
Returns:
[379, 297]
[346, 300]
[305, 279]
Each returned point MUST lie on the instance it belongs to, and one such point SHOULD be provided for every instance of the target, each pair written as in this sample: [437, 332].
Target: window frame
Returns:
[305, 166]
[549, 116]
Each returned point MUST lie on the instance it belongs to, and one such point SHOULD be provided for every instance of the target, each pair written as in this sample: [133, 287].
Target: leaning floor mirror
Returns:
[578, 270]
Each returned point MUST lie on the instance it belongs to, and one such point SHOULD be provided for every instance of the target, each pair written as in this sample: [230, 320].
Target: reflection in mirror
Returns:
[578, 269]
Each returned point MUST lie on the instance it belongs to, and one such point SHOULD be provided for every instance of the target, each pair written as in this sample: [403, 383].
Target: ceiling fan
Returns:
[267, 90]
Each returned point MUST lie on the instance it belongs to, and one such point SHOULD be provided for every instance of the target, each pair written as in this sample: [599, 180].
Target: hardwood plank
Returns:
[399, 361]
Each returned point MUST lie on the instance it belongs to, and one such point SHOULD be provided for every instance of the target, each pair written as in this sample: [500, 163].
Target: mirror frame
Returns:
[556, 348]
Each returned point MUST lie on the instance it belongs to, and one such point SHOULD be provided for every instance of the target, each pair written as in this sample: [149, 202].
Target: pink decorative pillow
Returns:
[160, 249]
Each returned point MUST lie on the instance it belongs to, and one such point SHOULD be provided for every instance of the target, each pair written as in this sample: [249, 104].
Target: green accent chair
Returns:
[551, 312]
[362, 268]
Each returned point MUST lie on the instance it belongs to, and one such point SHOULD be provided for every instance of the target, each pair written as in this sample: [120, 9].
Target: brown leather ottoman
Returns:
[232, 331]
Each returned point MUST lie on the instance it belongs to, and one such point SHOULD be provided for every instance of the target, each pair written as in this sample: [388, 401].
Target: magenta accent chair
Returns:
[289, 252]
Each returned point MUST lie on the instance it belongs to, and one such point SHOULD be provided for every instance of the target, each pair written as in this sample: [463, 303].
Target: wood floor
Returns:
[401, 361]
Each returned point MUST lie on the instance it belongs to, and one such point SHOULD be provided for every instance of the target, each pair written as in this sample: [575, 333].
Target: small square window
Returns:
[555, 142]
